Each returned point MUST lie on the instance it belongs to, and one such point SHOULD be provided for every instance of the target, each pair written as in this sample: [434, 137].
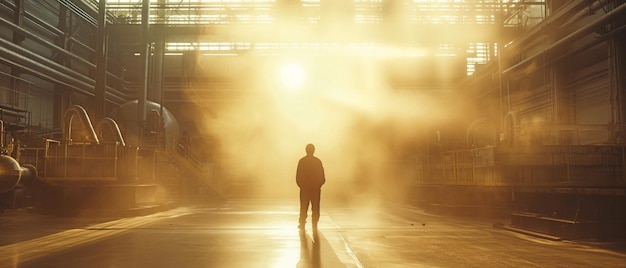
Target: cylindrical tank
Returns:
[126, 118]
[10, 173]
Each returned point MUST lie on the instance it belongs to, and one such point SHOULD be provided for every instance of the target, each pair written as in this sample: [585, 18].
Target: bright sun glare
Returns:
[292, 75]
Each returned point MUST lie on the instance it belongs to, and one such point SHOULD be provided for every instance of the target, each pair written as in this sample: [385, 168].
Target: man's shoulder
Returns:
[309, 159]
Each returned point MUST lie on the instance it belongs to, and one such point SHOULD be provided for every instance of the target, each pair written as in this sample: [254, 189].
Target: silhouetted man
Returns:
[310, 178]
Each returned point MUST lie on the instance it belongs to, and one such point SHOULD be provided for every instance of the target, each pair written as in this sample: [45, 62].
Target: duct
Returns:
[111, 125]
[89, 134]
[571, 37]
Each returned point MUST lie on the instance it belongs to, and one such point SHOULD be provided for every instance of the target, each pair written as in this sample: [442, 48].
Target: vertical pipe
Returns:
[101, 63]
[18, 19]
[617, 81]
[623, 175]
[18, 38]
[2, 134]
[159, 56]
[160, 53]
[158, 88]
[145, 54]
[157, 70]
[498, 51]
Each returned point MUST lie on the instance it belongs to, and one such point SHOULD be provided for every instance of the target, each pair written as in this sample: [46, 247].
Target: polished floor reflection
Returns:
[263, 233]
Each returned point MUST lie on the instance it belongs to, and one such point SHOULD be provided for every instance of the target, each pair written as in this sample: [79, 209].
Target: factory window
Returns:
[405, 15]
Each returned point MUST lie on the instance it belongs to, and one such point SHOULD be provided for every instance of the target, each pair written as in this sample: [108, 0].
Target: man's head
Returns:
[310, 149]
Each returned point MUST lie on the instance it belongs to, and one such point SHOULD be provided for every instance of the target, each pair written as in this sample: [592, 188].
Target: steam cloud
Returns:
[360, 124]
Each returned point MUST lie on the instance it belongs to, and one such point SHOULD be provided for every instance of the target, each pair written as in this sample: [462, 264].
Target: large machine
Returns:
[92, 167]
[11, 173]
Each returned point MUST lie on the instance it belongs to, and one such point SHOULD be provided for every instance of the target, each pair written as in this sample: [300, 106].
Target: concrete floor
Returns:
[263, 233]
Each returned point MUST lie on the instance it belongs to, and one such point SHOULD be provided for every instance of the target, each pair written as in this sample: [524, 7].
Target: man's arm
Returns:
[298, 173]
[322, 173]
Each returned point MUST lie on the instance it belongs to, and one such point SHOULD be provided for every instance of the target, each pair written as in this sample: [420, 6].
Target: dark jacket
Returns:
[310, 173]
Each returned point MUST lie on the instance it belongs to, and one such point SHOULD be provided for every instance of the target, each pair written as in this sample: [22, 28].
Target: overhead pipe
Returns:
[19, 52]
[571, 37]
[570, 11]
[55, 48]
[26, 33]
[39, 21]
[79, 10]
[13, 113]
[52, 74]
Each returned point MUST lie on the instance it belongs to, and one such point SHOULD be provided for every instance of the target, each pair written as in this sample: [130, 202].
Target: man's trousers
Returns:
[309, 196]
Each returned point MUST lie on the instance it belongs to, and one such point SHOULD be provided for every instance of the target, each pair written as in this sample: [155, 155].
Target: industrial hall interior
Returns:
[197, 133]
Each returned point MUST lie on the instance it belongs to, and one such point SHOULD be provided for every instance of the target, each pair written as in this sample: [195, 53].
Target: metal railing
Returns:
[591, 165]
